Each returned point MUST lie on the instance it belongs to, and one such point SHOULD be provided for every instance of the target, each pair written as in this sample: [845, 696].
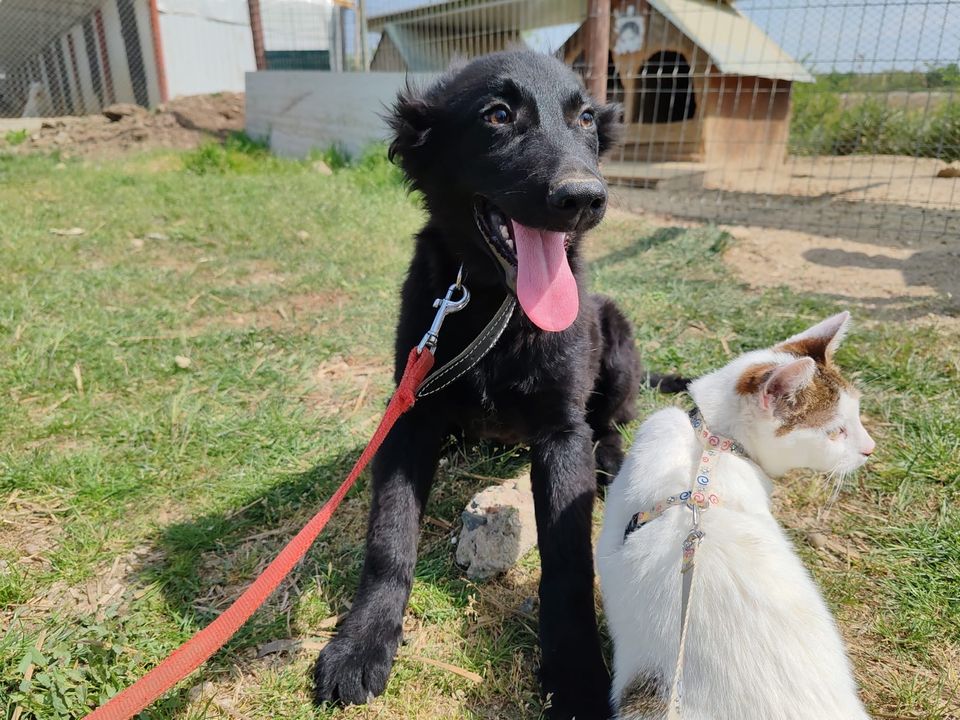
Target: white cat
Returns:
[760, 642]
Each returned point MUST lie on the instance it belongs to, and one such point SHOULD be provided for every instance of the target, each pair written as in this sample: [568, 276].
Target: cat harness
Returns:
[699, 498]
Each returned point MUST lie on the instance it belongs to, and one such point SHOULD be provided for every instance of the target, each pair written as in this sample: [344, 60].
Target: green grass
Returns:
[137, 498]
[16, 137]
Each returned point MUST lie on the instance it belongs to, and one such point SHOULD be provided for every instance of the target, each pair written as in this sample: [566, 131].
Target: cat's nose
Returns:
[868, 448]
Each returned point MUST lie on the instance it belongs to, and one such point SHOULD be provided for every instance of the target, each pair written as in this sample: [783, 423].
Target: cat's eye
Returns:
[837, 433]
[498, 115]
[587, 119]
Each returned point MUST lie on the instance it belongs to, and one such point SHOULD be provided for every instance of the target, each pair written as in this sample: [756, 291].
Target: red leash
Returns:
[198, 649]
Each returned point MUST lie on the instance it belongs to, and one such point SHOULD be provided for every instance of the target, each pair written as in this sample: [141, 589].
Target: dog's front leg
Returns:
[572, 671]
[355, 666]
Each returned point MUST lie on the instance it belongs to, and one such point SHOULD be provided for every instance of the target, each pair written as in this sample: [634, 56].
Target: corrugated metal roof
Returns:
[733, 42]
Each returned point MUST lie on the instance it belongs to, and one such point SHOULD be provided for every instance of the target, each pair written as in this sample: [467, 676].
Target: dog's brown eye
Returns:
[586, 119]
[498, 116]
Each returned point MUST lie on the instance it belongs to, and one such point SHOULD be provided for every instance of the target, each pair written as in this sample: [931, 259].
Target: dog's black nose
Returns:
[576, 199]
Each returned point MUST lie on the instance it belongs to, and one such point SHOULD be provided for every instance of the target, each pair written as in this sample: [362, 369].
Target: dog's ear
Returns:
[411, 119]
[609, 126]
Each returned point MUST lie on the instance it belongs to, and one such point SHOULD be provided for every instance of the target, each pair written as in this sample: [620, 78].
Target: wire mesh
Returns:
[830, 117]
[823, 115]
[72, 57]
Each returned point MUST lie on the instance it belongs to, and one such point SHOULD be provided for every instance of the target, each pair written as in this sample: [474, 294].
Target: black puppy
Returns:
[505, 151]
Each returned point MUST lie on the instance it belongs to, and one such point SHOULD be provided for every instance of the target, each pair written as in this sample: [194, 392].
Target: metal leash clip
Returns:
[445, 306]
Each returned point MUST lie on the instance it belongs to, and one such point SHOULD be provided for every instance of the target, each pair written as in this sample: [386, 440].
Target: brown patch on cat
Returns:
[811, 407]
[754, 377]
[814, 405]
[643, 699]
[812, 347]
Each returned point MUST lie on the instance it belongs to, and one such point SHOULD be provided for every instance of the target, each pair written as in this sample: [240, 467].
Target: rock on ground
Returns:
[117, 111]
[499, 527]
[950, 171]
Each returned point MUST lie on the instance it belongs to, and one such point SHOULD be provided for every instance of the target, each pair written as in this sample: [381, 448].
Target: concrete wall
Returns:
[299, 111]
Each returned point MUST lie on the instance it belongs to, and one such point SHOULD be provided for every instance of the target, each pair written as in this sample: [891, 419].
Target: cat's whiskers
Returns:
[836, 477]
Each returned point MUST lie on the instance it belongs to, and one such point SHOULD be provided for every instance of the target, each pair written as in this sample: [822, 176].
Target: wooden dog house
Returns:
[698, 81]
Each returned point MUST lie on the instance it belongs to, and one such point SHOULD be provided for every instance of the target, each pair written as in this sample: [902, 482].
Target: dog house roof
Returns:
[734, 43]
[491, 15]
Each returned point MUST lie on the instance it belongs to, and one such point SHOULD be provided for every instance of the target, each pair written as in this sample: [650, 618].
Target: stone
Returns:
[118, 111]
[320, 167]
[950, 171]
[499, 528]
[817, 540]
[201, 691]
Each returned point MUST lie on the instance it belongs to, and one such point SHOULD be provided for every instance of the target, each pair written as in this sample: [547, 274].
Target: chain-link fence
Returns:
[72, 57]
[825, 115]
[838, 117]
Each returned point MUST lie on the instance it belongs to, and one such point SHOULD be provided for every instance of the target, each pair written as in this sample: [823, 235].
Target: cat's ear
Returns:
[786, 381]
[821, 341]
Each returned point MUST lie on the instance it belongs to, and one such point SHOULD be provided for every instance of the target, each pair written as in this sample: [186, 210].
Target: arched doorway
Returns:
[666, 90]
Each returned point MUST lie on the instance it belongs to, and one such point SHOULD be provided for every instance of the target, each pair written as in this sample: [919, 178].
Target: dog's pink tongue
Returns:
[545, 286]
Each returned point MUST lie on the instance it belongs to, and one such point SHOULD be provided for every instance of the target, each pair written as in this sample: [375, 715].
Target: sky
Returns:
[841, 35]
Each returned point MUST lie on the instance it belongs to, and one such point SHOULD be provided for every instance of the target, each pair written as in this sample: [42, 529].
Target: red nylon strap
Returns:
[198, 649]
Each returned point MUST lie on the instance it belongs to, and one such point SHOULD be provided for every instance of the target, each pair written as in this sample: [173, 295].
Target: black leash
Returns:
[473, 353]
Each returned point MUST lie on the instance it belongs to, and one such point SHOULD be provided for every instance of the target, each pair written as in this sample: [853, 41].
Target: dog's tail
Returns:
[668, 384]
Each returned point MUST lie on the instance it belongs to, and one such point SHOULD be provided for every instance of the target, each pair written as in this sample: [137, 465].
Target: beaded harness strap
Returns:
[698, 498]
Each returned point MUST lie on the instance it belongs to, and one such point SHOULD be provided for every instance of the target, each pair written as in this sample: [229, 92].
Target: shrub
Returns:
[942, 138]
[238, 153]
[15, 137]
[819, 126]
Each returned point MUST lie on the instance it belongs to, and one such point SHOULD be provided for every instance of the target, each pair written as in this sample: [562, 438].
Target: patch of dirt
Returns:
[893, 179]
[29, 530]
[112, 585]
[897, 282]
[300, 310]
[345, 387]
[180, 124]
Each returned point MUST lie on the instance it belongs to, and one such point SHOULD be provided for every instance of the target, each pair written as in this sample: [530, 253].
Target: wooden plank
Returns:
[598, 48]
[256, 30]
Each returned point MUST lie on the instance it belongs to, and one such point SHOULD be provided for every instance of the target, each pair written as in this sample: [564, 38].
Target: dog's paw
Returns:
[608, 459]
[352, 672]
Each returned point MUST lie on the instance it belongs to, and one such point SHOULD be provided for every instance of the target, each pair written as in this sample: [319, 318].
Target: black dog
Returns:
[505, 151]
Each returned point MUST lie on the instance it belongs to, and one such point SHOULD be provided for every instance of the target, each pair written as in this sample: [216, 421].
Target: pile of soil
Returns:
[183, 123]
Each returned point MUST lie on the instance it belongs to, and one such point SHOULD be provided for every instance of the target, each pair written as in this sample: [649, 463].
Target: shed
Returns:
[66, 57]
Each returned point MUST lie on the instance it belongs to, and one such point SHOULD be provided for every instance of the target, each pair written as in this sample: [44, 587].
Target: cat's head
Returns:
[792, 406]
